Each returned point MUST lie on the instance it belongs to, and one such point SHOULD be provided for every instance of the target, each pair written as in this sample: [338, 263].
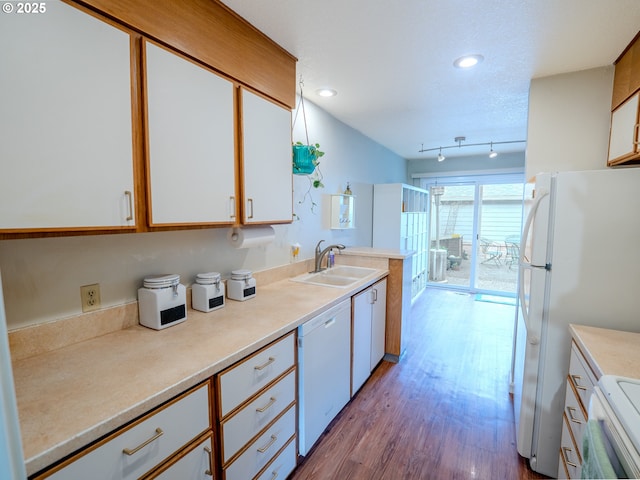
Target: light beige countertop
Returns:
[609, 352]
[71, 396]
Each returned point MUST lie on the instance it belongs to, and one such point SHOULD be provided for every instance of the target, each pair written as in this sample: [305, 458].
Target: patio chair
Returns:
[491, 251]
[512, 256]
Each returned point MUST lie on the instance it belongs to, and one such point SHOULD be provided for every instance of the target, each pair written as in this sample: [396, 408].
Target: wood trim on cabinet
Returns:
[397, 306]
[626, 78]
[139, 122]
[214, 34]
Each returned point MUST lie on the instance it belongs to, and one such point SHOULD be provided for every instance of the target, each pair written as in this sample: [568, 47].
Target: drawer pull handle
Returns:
[570, 411]
[274, 474]
[271, 442]
[210, 454]
[131, 451]
[576, 381]
[564, 452]
[266, 364]
[272, 400]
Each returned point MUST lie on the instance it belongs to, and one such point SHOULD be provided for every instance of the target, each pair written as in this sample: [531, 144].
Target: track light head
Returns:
[492, 153]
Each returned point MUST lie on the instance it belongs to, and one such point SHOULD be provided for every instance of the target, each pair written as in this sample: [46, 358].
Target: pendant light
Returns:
[440, 156]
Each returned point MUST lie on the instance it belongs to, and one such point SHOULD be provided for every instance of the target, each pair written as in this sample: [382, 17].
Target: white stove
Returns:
[615, 404]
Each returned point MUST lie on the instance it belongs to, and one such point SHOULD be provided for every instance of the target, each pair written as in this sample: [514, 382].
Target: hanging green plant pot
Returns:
[305, 158]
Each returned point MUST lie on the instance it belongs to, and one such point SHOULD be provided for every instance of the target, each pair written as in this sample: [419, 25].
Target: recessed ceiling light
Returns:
[326, 92]
[468, 61]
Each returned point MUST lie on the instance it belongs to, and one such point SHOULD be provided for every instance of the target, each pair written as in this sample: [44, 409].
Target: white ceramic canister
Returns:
[207, 294]
[162, 301]
[241, 286]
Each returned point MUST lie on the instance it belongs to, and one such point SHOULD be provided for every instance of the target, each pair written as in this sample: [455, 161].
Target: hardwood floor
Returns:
[443, 412]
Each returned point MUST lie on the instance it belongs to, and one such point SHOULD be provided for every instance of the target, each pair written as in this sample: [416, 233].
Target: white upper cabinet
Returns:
[267, 161]
[191, 156]
[65, 117]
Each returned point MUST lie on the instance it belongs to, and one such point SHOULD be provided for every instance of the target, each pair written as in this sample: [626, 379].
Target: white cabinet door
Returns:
[378, 320]
[66, 144]
[623, 139]
[190, 115]
[361, 348]
[267, 161]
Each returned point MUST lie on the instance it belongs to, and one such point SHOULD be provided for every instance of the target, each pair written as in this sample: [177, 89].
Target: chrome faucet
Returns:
[320, 254]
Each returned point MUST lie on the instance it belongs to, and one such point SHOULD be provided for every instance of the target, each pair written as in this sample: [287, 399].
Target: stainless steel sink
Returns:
[341, 276]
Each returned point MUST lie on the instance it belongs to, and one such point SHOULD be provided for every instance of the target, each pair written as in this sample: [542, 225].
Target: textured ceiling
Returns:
[391, 61]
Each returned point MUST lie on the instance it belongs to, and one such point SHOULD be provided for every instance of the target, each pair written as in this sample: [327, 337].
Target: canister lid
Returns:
[162, 281]
[240, 274]
[208, 278]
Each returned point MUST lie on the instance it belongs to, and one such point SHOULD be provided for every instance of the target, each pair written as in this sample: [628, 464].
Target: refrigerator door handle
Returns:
[531, 338]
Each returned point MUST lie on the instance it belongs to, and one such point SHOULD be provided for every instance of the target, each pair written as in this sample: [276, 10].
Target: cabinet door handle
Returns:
[570, 411]
[266, 364]
[576, 382]
[131, 451]
[250, 200]
[129, 196]
[564, 453]
[210, 454]
[375, 295]
[232, 207]
[271, 442]
[266, 407]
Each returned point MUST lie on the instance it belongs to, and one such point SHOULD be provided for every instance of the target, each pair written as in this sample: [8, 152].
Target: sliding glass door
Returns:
[474, 230]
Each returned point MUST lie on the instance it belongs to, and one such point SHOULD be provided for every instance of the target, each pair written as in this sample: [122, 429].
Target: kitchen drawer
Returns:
[244, 379]
[150, 441]
[262, 450]
[194, 463]
[570, 459]
[240, 428]
[580, 376]
[282, 465]
[576, 414]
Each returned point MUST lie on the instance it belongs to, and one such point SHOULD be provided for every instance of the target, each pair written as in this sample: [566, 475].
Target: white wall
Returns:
[42, 277]
[568, 125]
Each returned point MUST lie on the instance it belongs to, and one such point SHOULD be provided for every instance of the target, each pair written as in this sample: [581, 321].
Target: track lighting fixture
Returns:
[459, 140]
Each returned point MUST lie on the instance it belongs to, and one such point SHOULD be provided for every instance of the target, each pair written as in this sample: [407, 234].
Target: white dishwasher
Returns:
[324, 371]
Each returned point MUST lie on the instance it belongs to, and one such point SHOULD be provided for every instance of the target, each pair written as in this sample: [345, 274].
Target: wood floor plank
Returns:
[443, 412]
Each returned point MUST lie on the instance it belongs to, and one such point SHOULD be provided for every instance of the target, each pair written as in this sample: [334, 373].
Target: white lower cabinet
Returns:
[195, 464]
[259, 452]
[368, 332]
[285, 462]
[580, 383]
[257, 411]
[139, 448]
[241, 427]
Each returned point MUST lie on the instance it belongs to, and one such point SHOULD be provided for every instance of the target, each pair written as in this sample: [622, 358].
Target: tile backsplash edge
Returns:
[44, 337]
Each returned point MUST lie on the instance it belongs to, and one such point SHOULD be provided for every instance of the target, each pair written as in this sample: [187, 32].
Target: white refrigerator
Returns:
[579, 263]
[11, 459]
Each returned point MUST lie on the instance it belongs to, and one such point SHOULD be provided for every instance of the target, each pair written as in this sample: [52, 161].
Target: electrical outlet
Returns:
[90, 295]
